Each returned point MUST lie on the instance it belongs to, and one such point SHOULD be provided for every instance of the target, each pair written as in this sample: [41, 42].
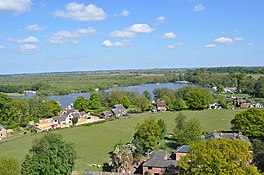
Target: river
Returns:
[65, 100]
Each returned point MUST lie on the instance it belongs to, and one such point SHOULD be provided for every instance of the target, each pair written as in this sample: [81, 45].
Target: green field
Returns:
[93, 143]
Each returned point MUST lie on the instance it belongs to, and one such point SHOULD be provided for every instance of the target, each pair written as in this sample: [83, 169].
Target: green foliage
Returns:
[142, 103]
[94, 102]
[75, 120]
[186, 132]
[55, 107]
[258, 154]
[40, 107]
[250, 122]
[163, 128]
[259, 88]
[148, 133]
[125, 102]
[168, 101]
[159, 93]
[179, 104]
[220, 88]
[4, 108]
[50, 155]
[199, 99]
[81, 104]
[9, 166]
[147, 95]
[219, 156]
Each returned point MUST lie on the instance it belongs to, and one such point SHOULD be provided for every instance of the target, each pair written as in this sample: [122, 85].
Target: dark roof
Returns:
[161, 103]
[107, 113]
[242, 100]
[60, 118]
[183, 149]
[119, 107]
[227, 136]
[76, 115]
[160, 159]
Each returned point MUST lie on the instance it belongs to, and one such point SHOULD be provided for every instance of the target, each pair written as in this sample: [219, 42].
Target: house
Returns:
[3, 132]
[161, 105]
[66, 117]
[182, 151]
[215, 106]
[239, 136]
[116, 111]
[161, 163]
[256, 105]
[242, 102]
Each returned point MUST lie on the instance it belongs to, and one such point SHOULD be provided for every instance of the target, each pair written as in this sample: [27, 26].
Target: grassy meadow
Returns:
[93, 143]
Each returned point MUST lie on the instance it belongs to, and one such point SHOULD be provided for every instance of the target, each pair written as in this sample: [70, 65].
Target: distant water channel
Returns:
[65, 100]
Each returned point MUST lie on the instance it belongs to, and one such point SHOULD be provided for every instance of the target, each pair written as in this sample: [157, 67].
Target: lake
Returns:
[66, 100]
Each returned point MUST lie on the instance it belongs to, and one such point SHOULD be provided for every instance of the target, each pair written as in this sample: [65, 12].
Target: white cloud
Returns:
[160, 20]
[210, 46]
[168, 35]
[122, 43]
[172, 46]
[123, 34]
[140, 28]
[35, 27]
[16, 6]
[224, 40]
[239, 39]
[2, 46]
[132, 31]
[28, 47]
[125, 13]
[30, 39]
[66, 36]
[250, 44]
[199, 8]
[81, 12]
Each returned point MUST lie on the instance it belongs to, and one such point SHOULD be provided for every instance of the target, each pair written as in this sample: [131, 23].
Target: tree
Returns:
[259, 87]
[198, 99]
[258, 154]
[220, 88]
[55, 107]
[4, 108]
[94, 101]
[142, 103]
[163, 128]
[167, 100]
[148, 133]
[80, 103]
[186, 132]
[125, 102]
[9, 166]
[50, 155]
[219, 156]
[250, 122]
[75, 120]
[147, 95]
[179, 104]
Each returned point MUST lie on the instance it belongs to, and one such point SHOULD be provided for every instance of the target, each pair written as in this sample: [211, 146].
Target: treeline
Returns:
[18, 112]
[245, 70]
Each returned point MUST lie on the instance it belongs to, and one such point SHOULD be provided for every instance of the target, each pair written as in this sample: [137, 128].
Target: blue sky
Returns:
[68, 35]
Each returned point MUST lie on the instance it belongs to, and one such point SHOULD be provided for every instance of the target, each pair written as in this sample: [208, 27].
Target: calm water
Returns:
[65, 100]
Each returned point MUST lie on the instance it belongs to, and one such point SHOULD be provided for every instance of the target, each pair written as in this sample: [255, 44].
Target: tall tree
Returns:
[219, 156]
[147, 95]
[80, 103]
[9, 166]
[50, 155]
[199, 99]
[258, 154]
[163, 128]
[142, 103]
[94, 101]
[125, 102]
[55, 107]
[186, 132]
[250, 122]
[179, 104]
[148, 133]
[4, 108]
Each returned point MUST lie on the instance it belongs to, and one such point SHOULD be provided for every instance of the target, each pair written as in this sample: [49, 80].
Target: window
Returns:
[150, 168]
[156, 173]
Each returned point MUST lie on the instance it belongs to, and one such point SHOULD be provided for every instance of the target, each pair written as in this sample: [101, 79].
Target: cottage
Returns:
[239, 136]
[242, 103]
[161, 105]
[3, 132]
[66, 117]
[256, 105]
[182, 151]
[161, 163]
[116, 111]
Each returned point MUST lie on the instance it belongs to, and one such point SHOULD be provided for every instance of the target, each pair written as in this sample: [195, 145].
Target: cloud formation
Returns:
[173, 46]
[124, 13]
[28, 47]
[30, 39]
[199, 8]
[35, 27]
[2, 46]
[16, 6]
[81, 12]
[210, 46]
[122, 43]
[160, 20]
[132, 31]
[66, 36]
[224, 40]
[169, 35]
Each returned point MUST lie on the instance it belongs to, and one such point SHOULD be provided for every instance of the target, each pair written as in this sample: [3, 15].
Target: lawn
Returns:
[93, 143]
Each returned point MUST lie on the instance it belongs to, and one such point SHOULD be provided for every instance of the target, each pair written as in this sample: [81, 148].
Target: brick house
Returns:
[161, 105]
[242, 102]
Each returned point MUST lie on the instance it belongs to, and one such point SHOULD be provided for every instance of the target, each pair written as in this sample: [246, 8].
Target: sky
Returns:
[86, 35]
